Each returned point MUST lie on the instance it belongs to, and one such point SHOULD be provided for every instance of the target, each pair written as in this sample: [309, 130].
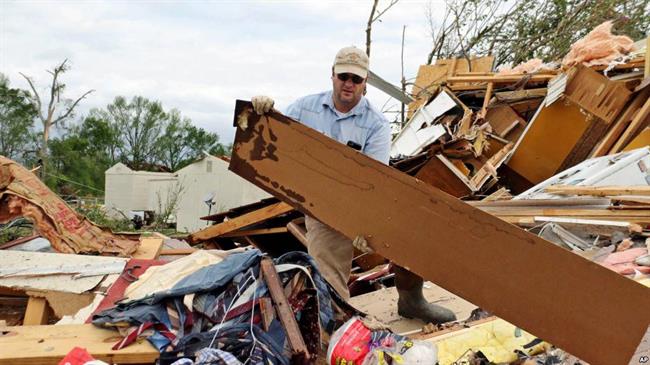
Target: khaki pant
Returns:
[333, 253]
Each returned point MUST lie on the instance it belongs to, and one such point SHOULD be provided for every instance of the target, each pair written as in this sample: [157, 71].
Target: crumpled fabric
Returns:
[209, 356]
[164, 277]
[224, 296]
[599, 47]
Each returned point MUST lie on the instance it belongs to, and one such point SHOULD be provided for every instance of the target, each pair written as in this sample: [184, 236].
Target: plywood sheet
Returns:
[505, 122]
[596, 93]
[436, 173]
[517, 276]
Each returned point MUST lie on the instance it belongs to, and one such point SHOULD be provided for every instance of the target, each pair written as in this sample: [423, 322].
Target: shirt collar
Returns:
[358, 109]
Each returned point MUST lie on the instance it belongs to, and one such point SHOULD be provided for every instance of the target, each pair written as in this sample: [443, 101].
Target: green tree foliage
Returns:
[72, 171]
[16, 121]
[221, 150]
[80, 156]
[141, 134]
[182, 142]
[518, 31]
[139, 122]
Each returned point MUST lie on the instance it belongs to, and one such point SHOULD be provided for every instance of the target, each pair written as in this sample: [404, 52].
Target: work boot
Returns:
[411, 302]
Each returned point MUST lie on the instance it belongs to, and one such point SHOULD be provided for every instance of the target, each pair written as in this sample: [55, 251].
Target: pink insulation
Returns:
[599, 47]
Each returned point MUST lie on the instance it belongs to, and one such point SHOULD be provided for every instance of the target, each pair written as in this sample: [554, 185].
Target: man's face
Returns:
[347, 93]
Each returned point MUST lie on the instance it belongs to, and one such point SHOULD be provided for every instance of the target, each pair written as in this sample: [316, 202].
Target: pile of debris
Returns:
[561, 151]
[474, 132]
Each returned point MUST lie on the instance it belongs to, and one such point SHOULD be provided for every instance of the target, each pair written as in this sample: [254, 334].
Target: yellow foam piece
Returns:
[497, 340]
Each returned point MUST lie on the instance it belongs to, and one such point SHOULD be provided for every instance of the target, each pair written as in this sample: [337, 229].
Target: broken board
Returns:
[240, 222]
[544, 289]
[49, 344]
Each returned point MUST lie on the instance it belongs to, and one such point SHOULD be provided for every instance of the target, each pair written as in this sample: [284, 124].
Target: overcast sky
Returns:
[200, 56]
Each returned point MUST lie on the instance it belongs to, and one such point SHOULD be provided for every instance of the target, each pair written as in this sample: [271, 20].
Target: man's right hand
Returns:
[262, 104]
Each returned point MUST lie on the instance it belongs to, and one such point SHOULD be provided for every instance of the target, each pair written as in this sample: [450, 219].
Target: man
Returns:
[345, 115]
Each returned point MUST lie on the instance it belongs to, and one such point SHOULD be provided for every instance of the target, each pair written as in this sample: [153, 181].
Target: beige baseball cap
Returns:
[351, 60]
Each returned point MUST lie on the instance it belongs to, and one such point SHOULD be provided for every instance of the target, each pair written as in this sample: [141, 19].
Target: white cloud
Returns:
[199, 57]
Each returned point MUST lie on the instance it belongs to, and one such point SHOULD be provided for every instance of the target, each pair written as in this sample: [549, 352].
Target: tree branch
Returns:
[67, 113]
[36, 96]
[379, 14]
[54, 89]
[369, 27]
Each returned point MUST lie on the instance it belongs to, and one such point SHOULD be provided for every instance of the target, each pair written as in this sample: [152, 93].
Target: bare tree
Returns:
[49, 116]
[374, 16]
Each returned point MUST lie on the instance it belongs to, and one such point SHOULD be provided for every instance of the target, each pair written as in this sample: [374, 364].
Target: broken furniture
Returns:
[579, 107]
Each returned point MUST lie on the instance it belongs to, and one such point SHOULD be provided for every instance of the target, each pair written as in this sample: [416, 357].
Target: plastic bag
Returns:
[356, 344]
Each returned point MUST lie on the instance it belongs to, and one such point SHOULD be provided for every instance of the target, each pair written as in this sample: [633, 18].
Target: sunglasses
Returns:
[347, 76]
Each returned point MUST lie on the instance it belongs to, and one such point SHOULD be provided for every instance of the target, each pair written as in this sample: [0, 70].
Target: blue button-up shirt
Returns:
[363, 125]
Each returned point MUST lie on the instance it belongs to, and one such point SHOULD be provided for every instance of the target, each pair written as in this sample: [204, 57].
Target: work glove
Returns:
[262, 104]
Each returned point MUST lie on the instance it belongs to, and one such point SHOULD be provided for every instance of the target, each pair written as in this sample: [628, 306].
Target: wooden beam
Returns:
[37, 312]
[546, 290]
[646, 69]
[298, 232]
[256, 232]
[498, 78]
[285, 313]
[240, 222]
[598, 190]
[591, 226]
[486, 98]
[529, 220]
[18, 241]
[49, 344]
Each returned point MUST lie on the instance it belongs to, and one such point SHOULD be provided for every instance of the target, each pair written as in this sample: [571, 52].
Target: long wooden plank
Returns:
[49, 344]
[240, 222]
[498, 78]
[598, 190]
[639, 213]
[256, 232]
[646, 69]
[285, 313]
[544, 289]
[529, 220]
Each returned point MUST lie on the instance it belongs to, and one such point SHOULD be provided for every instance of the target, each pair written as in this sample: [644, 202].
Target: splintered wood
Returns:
[240, 222]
